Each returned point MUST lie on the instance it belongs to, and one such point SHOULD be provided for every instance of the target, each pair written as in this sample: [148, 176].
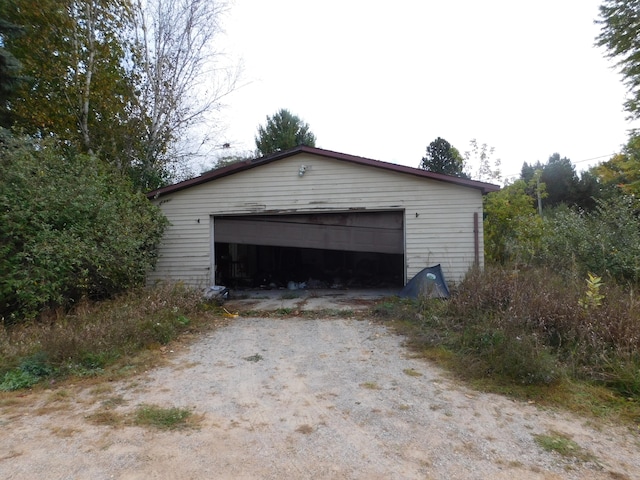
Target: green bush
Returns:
[32, 369]
[16, 380]
[36, 365]
[512, 228]
[605, 241]
[70, 227]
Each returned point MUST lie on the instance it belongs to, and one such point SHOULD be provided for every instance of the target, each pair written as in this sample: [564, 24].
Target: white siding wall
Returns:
[442, 232]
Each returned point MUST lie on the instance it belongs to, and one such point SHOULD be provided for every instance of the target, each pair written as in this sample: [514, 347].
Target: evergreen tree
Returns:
[620, 35]
[281, 132]
[442, 157]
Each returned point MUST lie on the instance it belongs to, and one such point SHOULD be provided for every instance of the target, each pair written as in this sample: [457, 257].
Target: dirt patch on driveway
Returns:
[301, 399]
[313, 300]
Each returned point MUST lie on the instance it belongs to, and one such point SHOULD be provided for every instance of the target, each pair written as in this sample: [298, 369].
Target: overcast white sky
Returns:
[384, 79]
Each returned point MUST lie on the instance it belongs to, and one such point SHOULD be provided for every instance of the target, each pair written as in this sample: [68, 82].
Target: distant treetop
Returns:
[283, 131]
[442, 157]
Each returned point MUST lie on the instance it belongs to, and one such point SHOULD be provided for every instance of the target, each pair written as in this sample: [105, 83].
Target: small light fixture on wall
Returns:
[301, 170]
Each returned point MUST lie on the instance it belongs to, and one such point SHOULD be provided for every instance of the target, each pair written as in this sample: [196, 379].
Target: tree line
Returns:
[553, 215]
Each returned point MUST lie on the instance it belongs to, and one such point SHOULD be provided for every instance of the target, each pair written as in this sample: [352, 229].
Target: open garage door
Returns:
[380, 232]
[354, 246]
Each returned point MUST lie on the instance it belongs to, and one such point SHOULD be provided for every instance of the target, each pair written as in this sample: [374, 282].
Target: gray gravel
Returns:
[309, 399]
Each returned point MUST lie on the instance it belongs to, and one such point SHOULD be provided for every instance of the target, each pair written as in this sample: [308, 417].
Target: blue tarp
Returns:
[429, 282]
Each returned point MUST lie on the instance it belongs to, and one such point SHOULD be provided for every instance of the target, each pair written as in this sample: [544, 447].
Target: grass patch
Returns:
[562, 445]
[144, 415]
[370, 385]
[101, 338]
[113, 402]
[527, 334]
[254, 358]
[162, 418]
[105, 417]
[411, 372]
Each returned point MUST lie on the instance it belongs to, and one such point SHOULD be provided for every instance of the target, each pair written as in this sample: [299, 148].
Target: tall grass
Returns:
[95, 334]
[534, 327]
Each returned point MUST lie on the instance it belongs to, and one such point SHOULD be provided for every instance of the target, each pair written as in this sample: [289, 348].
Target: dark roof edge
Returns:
[248, 164]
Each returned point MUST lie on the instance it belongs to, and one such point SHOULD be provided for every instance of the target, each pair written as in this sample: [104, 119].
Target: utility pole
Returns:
[538, 174]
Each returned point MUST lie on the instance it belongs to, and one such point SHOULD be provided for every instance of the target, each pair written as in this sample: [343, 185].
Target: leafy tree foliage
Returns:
[229, 159]
[442, 157]
[116, 78]
[605, 241]
[559, 177]
[620, 35]
[512, 228]
[70, 227]
[622, 172]
[283, 131]
[481, 155]
[562, 184]
[10, 68]
[588, 191]
[74, 54]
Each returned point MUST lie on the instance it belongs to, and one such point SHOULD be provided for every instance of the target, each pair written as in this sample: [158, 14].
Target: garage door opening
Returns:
[330, 250]
[260, 266]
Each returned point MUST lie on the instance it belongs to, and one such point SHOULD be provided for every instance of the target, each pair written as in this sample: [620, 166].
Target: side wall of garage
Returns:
[439, 216]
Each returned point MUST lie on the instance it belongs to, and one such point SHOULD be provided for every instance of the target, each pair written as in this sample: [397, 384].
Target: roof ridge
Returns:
[259, 161]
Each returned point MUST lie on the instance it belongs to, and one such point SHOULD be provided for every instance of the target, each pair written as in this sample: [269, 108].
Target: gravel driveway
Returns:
[302, 399]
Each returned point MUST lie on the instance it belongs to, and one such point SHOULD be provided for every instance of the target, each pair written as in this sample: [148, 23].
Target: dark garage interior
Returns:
[352, 249]
[264, 266]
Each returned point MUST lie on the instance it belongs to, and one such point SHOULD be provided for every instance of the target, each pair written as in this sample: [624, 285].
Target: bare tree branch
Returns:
[180, 72]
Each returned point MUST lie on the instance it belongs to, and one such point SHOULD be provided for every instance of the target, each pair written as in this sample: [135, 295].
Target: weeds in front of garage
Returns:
[112, 338]
[529, 336]
[284, 312]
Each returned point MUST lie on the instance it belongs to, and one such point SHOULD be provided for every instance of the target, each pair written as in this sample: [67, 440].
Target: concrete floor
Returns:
[306, 299]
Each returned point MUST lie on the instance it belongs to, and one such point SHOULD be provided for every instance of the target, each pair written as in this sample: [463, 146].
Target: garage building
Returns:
[321, 217]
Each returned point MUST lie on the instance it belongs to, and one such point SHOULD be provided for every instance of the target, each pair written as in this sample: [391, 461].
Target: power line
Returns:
[596, 158]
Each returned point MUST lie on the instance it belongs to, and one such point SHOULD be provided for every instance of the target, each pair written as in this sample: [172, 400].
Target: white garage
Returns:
[318, 216]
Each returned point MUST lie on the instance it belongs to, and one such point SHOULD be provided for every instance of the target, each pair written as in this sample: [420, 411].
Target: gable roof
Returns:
[257, 162]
